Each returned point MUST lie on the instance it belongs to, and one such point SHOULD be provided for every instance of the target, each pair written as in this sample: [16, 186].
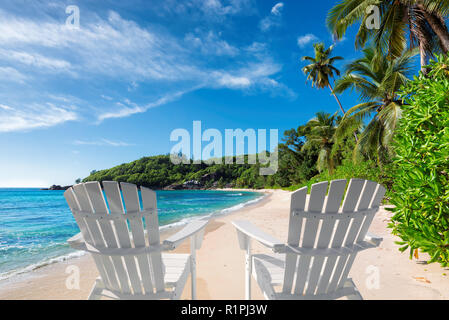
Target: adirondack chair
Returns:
[124, 241]
[317, 267]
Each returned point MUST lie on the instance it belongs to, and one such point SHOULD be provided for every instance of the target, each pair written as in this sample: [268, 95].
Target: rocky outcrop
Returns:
[188, 185]
[57, 187]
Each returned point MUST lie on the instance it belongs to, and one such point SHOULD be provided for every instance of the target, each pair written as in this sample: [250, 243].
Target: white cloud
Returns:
[4, 107]
[128, 108]
[274, 19]
[306, 39]
[102, 142]
[211, 10]
[34, 60]
[34, 116]
[120, 50]
[230, 81]
[10, 74]
[210, 43]
[277, 9]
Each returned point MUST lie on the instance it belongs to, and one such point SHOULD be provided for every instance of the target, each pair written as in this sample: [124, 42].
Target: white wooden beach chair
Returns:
[122, 235]
[317, 267]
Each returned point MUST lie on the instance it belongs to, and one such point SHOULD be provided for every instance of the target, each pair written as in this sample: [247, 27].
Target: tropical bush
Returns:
[368, 170]
[421, 186]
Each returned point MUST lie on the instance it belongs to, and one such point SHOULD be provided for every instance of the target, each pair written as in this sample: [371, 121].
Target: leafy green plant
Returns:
[421, 185]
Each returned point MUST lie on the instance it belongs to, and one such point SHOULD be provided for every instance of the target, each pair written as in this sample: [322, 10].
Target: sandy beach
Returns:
[220, 263]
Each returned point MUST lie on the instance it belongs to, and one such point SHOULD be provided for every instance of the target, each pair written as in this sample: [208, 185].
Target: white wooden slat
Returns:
[85, 205]
[365, 200]
[115, 203]
[349, 205]
[98, 202]
[298, 202]
[377, 198]
[367, 192]
[334, 198]
[315, 207]
[95, 195]
[380, 193]
[367, 195]
[131, 199]
[73, 205]
[149, 201]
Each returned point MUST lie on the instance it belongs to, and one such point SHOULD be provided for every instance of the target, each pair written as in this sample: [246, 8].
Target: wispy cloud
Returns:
[102, 142]
[205, 10]
[274, 19]
[277, 8]
[306, 39]
[10, 74]
[210, 44]
[133, 57]
[128, 108]
[34, 116]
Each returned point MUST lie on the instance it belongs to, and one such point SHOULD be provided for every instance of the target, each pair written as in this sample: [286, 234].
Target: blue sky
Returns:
[112, 91]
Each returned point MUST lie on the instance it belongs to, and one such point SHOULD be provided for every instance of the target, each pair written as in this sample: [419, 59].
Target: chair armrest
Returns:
[190, 230]
[246, 229]
[372, 238]
[77, 242]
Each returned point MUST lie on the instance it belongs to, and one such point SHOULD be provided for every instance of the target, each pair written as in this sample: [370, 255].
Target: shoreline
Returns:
[165, 231]
[380, 273]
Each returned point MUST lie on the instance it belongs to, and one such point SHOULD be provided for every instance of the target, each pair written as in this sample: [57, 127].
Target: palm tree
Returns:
[377, 79]
[321, 132]
[321, 69]
[422, 21]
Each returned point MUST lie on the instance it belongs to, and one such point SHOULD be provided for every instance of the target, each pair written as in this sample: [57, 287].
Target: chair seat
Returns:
[176, 271]
[268, 270]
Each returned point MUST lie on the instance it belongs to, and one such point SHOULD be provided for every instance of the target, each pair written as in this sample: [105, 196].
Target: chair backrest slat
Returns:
[149, 201]
[315, 206]
[332, 205]
[131, 198]
[115, 203]
[298, 203]
[95, 194]
[319, 274]
[72, 201]
[97, 236]
[121, 273]
[375, 203]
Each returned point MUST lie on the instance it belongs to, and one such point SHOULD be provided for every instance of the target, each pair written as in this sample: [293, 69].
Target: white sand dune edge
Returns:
[221, 263]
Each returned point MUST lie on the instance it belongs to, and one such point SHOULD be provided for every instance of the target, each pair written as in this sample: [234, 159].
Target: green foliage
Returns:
[321, 68]
[368, 170]
[421, 186]
[377, 80]
[158, 172]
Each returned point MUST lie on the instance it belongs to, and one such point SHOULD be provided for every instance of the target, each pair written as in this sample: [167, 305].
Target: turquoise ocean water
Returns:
[35, 224]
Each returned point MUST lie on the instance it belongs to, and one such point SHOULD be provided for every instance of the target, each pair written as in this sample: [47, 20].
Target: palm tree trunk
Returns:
[336, 98]
[424, 58]
[438, 25]
[341, 108]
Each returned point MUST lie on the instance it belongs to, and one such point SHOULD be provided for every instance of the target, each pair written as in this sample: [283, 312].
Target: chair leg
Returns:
[95, 293]
[248, 271]
[193, 266]
[356, 295]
